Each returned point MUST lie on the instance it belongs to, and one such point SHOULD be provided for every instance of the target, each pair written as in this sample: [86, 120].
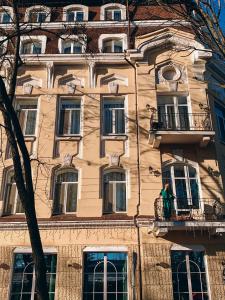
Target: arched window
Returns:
[65, 191]
[185, 186]
[31, 47]
[75, 13]
[12, 203]
[6, 14]
[114, 191]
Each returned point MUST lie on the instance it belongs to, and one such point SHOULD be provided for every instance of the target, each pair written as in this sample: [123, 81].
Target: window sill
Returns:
[29, 138]
[69, 138]
[114, 137]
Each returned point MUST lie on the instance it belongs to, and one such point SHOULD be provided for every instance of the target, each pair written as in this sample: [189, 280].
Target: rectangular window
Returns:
[113, 15]
[220, 119]
[173, 113]
[5, 17]
[69, 117]
[189, 275]
[27, 113]
[113, 117]
[112, 46]
[37, 16]
[72, 47]
[77, 16]
[105, 276]
[23, 277]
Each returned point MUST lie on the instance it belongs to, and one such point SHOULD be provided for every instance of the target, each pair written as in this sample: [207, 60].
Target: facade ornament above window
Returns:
[67, 160]
[114, 81]
[29, 82]
[71, 82]
[171, 73]
[114, 160]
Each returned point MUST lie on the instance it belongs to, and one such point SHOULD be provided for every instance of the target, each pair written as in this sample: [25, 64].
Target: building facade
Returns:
[114, 108]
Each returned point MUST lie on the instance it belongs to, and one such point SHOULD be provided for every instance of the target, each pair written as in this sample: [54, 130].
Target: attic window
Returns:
[113, 14]
[74, 16]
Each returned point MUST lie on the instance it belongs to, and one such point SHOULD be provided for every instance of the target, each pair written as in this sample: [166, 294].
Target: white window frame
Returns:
[176, 106]
[187, 182]
[28, 101]
[27, 250]
[109, 249]
[75, 7]
[82, 39]
[126, 181]
[42, 39]
[104, 37]
[9, 173]
[125, 108]
[65, 100]
[38, 8]
[65, 184]
[113, 6]
[7, 10]
[193, 248]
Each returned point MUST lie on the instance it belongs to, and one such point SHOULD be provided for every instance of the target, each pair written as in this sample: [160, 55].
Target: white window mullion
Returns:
[65, 196]
[69, 124]
[114, 196]
[187, 182]
[33, 284]
[105, 278]
[174, 187]
[188, 276]
[15, 200]
[113, 121]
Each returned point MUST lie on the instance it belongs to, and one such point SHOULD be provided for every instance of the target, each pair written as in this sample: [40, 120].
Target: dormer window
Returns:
[75, 16]
[75, 13]
[6, 14]
[113, 12]
[72, 45]
[37, 14]
[113, 43]
[33, 44]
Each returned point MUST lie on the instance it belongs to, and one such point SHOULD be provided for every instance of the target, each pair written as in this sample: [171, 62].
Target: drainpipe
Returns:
[134, 66]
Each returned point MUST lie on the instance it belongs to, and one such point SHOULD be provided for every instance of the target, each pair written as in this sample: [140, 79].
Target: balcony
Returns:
[180, 128]
[201, 214]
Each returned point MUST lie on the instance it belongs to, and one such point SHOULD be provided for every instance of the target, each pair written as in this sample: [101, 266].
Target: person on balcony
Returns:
[168, 198]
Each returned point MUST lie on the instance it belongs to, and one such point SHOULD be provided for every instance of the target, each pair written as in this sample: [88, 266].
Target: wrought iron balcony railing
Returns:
[184, 209]
[181, 121]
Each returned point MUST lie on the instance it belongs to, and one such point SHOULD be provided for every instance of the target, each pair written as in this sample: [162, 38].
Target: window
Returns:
[220, 118]
[113, 14]
[27, 114]
[74, 16]
[75, 13]
[72, 47]
[31, 47]
[114, 191]
[184, 183]
[5, 16]
[69, 117]
[37, 16]
[189, 275]
[113, 117]
[12, 203]
[23, 277]
[112, 46]
[173, 113]
[65, 194]
[105, 276]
